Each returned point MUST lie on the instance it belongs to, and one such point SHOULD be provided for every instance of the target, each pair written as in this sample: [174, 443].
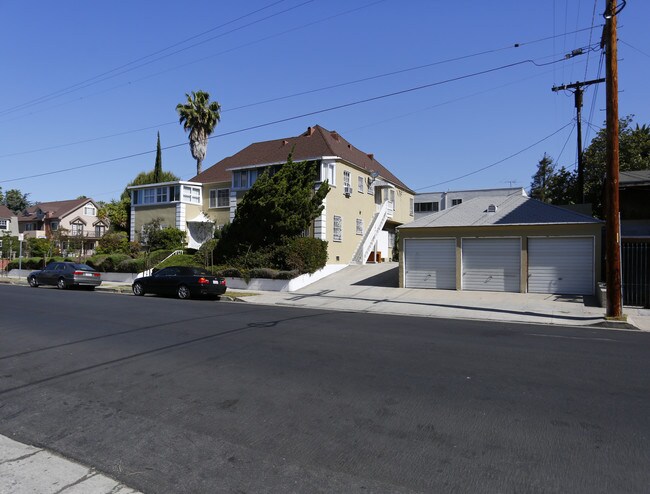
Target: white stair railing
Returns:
[149, 271]
[369, 239]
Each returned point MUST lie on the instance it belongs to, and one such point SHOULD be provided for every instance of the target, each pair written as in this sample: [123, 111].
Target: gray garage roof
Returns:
[500, 211]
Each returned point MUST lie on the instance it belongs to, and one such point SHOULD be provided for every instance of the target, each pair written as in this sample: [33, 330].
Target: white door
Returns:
[430, 263]
[491, 264]
[562, 265]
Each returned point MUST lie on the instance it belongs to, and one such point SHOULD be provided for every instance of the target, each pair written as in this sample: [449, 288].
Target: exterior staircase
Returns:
[370, 237]
[149, 271]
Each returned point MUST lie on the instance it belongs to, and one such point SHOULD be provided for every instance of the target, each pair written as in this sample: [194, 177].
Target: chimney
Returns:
[285, 142]
[335, 135]
[310, 131]
[371, 156]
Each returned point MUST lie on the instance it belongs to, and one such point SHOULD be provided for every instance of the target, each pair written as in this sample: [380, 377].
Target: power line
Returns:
[100, 78]
[498, 162]
[295, 117]
[301, 93]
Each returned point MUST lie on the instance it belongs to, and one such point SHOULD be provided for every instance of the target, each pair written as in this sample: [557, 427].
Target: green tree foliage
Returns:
[157, 237]
[157, 169]
[278, 207]
[542, 178]
[15, 200]
[199, 116]
[40, 247]
[117, 214]
[114, 243]
[634, 154]
[559, 186]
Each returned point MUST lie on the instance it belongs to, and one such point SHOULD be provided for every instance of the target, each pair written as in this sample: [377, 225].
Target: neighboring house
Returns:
[8, 221]
[77, 218]
[8, 228]
[634, 203]
[433, 202]
[365, 205]
[508, 243]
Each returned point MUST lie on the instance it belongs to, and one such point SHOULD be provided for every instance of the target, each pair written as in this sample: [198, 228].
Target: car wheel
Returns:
[183, 292]
[61, 284]
[138, 289]
[32, 282]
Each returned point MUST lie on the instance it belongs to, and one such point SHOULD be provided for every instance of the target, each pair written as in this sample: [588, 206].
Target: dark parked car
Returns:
[66, 274]
[182, 281]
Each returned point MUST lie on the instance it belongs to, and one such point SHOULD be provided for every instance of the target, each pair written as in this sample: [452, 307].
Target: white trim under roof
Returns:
[264, 165]
[164, 184]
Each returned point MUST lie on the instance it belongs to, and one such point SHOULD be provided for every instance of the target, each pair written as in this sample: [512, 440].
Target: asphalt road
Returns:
[208, 397]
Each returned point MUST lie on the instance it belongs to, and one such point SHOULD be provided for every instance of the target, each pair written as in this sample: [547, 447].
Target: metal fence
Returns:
[635, 261]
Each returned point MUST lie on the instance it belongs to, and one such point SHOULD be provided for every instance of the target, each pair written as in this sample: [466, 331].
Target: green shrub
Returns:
[131, 266]
[157, 256]
[109, 263]
[180, 260]
[36, 262]
[266, 273]
[287, 275]
[303, 254]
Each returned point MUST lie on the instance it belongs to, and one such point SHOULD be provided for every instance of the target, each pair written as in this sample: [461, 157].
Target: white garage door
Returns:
[491, 264]
[430, 263]
[561, 265]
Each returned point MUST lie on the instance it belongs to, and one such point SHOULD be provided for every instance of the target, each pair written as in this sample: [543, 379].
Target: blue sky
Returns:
[86, 84]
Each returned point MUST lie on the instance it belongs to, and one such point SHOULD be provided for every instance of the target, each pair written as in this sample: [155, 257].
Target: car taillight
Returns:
[204, 281]
[96, 274]
[78, 273]
[222, 282]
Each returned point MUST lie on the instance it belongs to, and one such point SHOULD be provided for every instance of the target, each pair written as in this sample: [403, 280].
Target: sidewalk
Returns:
[25, 469]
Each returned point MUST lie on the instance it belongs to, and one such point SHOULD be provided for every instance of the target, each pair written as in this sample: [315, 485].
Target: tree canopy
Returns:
[199, 116]
[559, 185]
[16, 200]
[278, 207]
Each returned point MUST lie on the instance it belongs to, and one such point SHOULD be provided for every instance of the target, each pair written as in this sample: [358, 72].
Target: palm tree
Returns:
[199, 116]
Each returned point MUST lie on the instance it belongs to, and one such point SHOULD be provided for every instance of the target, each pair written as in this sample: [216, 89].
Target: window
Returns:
[371, 187]
[411, 206]
[359, 226]
[3, 224]
[328, 172]
[245, 179]
[346, 179]
[149, 196]
[426, 207]
[219, 198]
[90, 210]
[360, 185]
[136, 197]
[191, 194]
[54, 225]
[100, 230]
[338, 229]
[29, 227]
[174, 193]
[391, 198]
[77, 228]
[456, 202]
[161, 194]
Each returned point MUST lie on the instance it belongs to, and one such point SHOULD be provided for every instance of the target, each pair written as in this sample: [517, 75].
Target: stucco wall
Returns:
[522, 232]
[145, 214]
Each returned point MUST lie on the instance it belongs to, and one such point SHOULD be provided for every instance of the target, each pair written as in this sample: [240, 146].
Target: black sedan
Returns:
[66, 274]
[181, 281]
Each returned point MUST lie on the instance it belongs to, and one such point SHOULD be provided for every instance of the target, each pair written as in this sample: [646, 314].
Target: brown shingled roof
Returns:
[315, 143]
[5, 212]
[57, 209]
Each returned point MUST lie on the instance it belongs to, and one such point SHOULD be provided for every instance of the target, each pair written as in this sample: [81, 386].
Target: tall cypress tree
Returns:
[157, 169]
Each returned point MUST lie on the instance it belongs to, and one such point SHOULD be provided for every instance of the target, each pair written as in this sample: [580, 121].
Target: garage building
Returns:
[506, 244]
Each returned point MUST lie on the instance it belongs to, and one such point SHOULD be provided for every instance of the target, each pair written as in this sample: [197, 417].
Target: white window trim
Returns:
[360, 184]
[359, 226]
[213, 198]
[337, 230]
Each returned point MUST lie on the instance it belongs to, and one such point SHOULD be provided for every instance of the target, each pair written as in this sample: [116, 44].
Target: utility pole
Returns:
[612, 225]
[578, 104]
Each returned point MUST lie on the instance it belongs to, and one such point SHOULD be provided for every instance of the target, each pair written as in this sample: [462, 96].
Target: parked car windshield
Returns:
[198, 271]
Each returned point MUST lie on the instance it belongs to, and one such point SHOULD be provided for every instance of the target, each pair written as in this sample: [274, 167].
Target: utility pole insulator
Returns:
[578, 104]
